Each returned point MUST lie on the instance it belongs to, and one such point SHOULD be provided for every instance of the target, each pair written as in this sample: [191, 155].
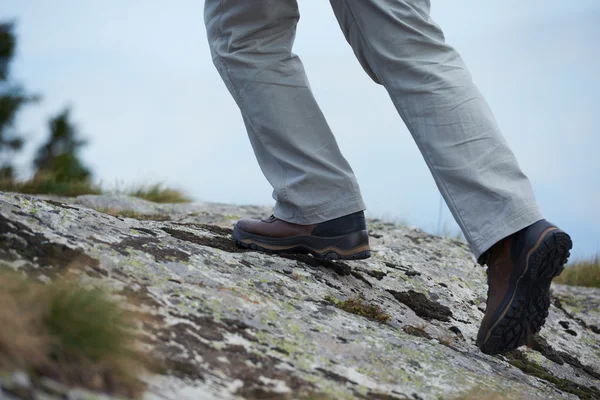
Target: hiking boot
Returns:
[344, 238]
[520, 270]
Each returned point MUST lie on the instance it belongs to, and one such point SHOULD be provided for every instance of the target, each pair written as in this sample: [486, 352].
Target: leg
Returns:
[478, 175]
[251, 44]
[402, 48]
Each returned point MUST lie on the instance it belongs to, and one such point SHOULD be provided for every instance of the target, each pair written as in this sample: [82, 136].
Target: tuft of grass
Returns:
[359, 307]
[68, 318]
[159, 194]
[148, 217]
[46, 184]
[582, 273]
[76, 336]
[133, 214]
[480, 394]
[446, 340]
[418, 330]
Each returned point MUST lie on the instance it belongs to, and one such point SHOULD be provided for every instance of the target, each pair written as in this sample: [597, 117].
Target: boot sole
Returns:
[353, 246]
[526, 313]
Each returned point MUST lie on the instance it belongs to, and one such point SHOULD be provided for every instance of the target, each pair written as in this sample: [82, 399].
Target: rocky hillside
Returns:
[233, 324]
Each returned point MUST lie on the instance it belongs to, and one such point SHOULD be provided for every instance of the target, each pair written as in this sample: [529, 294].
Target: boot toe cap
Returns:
[246, 225]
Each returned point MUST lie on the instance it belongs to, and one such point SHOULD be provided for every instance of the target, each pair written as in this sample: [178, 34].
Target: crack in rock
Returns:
[216, 242]
[423, 306]
[517, 359]
[557, 303]
[35, 248]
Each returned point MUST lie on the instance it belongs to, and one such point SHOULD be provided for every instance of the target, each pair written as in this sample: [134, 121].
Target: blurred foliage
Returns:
[58, 167]
[48, 184]
[58, 157]
[7, 48]
[12, 98]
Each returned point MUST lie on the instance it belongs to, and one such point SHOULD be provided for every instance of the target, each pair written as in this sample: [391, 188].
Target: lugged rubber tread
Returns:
[529, 309]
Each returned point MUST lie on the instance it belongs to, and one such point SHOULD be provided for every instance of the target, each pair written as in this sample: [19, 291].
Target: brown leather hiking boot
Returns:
[344, 238]
[520, 270]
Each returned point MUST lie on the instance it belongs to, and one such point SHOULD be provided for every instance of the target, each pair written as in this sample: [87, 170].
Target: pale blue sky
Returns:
[146, 95]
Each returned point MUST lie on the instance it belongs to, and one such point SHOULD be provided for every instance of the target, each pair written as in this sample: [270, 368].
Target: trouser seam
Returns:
[375, 67]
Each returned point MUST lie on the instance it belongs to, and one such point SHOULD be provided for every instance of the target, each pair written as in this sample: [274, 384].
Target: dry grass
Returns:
[158, 194]
[48, 185]
[446, 340]
[582, 273]
[22, 335]
[76, 336]
[416, 330]
[359, 307]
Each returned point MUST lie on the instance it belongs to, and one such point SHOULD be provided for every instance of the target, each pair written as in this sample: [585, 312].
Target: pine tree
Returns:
[59, 156]
[12, 99]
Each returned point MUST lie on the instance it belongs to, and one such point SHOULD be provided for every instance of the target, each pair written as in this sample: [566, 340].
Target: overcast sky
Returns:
[145, 93]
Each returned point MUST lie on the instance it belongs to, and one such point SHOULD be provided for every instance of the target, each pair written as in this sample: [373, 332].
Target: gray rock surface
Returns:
[234, 324]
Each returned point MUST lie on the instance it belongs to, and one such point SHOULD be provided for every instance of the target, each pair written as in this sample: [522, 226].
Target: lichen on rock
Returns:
[229, 323]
